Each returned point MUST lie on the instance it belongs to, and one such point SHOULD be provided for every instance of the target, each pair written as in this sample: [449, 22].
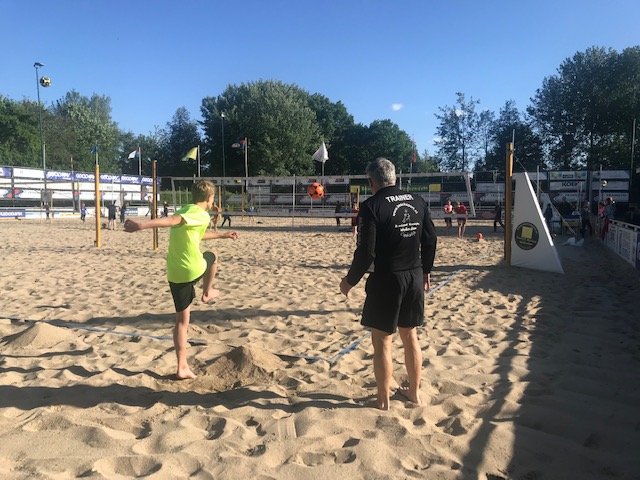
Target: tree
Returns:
[19, 133]
[150, 149]
[511, 127]
[174, 142]
[282, 129]
[76, 125]
[458, 134]
[426, 163]
[585, 112]
[335, 124]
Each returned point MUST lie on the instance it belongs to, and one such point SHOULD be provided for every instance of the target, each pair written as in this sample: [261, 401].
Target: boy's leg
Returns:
[180, 332]
[208, 292]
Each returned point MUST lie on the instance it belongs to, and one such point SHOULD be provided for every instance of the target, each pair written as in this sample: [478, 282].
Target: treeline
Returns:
[582, 116]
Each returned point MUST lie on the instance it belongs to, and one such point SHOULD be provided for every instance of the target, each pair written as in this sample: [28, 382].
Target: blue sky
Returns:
[397, 60]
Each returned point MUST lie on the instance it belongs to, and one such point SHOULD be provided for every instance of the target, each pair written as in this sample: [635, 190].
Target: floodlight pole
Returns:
[224, 171]
[37, 65]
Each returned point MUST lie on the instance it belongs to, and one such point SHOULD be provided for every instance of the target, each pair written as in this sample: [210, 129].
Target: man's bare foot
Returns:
[185, 374]
[413, 397]
[212, 294]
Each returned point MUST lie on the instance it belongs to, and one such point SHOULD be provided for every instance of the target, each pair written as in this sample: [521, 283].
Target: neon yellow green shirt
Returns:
[185, 262]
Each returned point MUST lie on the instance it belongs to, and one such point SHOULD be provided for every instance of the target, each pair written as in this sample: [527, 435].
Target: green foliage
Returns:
[510, 127]
[458, 134]
[180, 135]
[282, 128]
[19, 133]
[580, 117]
[584, 113]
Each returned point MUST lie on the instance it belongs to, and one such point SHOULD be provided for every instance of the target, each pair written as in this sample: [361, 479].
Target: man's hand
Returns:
[345, 287]
[426, 278]
[233, 235]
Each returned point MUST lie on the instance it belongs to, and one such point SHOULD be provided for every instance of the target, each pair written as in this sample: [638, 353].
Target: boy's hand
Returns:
[233, 235]
[131, 226]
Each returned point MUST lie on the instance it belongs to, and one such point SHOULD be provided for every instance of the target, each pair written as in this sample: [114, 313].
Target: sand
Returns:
[527, 375]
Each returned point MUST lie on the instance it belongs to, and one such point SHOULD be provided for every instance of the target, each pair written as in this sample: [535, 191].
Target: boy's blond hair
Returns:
[202, 190]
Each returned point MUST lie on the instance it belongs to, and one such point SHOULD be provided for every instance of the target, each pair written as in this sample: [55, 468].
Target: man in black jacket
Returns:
[396, 234]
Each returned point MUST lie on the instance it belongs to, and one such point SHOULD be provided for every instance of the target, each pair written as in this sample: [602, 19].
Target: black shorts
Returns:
[394, 300]
[447, 220]
[184, 293]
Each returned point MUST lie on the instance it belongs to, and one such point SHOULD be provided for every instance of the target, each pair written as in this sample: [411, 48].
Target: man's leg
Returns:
[209, 293]
[382, 366]
[413, 362]
[180, 332]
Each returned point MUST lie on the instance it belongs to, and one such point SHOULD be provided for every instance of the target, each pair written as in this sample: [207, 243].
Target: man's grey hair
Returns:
[382, 172]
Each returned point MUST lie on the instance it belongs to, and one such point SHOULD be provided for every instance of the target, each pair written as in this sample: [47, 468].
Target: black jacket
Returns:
[396, 232]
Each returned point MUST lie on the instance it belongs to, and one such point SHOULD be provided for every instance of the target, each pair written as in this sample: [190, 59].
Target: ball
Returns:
[45, 82]
[315, 190]
[479, 236]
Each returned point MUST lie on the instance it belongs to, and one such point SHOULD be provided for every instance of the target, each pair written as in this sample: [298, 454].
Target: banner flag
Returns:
[321, 155]
[135, 153]
[191, 154]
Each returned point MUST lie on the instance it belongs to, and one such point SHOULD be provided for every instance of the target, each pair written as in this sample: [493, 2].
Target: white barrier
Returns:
[624, 239]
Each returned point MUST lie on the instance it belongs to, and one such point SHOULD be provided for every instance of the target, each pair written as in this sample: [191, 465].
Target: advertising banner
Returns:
[567, 176]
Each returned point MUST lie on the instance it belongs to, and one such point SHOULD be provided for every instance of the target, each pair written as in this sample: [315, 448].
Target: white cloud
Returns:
[396, 106]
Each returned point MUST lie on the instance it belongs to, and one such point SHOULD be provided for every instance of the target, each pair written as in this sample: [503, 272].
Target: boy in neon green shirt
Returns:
[185, 264]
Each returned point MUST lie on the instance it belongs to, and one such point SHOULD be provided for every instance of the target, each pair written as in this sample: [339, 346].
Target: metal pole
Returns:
[633, 147]
[246, 166]
[154, 214]
[97, 194]
[224, 168]
[73, 187]
[42, 147]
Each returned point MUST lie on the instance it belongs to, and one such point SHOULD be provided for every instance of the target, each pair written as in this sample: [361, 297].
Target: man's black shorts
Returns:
[184, 293]
[394, 300]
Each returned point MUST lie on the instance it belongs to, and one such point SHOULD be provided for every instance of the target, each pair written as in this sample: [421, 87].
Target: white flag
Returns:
[321, 154]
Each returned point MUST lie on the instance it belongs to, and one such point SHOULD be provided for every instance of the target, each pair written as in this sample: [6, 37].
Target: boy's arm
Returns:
[134, 225]
[212, 235]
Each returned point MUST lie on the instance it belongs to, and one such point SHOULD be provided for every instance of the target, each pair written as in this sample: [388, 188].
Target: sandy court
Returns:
[527, 375]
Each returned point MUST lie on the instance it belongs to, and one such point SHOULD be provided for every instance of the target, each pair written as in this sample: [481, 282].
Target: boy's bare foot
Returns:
[381, 404]
[185, 374]
[210, 295]
[413, 397]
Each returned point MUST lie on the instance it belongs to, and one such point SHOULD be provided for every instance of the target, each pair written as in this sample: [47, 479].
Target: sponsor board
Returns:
[620, 197]
[58, 175]
[27, 173]
[259, 182]
[84, 176]
[5, 172]
[130, 179]
[567, 175]
[568, 185]
[489, 187]
[611, 185]
[613, 174]
[18, 213]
